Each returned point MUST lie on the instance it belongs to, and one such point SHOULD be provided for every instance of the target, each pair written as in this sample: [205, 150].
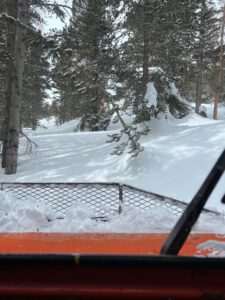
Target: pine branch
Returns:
[56, 5]
[132, 133]
[5, 16]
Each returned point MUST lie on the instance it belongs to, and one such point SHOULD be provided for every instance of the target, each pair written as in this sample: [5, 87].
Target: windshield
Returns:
[112, 115]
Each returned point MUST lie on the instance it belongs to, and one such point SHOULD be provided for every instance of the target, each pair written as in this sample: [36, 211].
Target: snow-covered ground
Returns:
[178, 156]
[208, 109]
[35, 216]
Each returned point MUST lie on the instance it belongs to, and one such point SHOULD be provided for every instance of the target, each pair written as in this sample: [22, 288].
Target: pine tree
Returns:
[220, 68]
[35, 83]
[137, 50]
[156, 36]
[85, 65]
[205, 36]
[19, 15]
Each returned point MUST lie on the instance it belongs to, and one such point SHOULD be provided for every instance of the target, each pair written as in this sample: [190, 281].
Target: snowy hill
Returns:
[178, 156]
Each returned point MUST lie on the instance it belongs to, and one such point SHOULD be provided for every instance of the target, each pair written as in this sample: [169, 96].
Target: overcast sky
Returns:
[52, 21]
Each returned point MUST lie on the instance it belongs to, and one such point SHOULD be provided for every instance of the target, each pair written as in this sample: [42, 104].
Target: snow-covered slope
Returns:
[178, 156]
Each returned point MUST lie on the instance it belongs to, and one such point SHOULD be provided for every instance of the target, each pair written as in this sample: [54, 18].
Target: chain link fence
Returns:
[103, 198]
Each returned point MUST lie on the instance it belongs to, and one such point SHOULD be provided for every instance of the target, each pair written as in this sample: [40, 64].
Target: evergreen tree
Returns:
[85, 64]
[205, 37]
[19, 15]
[156, 36]
[220, 68]
[35, 83]
[163, 34]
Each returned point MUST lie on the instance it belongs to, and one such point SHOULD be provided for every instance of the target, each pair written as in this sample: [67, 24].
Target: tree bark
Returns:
[200, 63]
[15, 88]
[3, 70]
[186, 82]
[199, 77]
[145, 78]
[11, 8]
[220, 70]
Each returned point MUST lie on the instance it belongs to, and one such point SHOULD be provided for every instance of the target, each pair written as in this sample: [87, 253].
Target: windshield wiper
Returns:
[180, 232]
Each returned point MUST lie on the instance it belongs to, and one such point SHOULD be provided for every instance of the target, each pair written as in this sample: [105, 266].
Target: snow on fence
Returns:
[103, 198]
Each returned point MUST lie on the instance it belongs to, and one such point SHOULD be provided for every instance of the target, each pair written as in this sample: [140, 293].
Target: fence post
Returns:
[120, 198]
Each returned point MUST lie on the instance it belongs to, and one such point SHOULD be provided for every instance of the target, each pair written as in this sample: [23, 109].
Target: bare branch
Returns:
[30, 144]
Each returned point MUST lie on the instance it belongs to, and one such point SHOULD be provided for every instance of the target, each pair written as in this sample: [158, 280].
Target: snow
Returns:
[52, 22]
[36, 216]
[47, 123]
[22, 216]
[172, 90]
[213, 248]
[151, 95]
[208, 109]
[178, 156]
[153, 70]
[82, 63]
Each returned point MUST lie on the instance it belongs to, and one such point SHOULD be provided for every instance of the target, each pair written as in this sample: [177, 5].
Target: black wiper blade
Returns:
[223, 200]
[180, 232]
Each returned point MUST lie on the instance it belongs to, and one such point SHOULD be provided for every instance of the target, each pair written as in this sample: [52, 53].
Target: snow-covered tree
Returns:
[205, 30]
[162, 98]
[36, 81]
[18, 16]
[82, 71]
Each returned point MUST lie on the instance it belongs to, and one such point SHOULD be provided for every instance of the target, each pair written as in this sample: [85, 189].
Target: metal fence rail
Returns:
[103, 198]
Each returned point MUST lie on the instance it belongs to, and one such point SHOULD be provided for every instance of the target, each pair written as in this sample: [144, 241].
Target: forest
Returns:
[146, 57]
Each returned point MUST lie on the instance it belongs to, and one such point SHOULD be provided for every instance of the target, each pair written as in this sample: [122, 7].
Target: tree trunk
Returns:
[11, 8]
[186, 82]
[2, 71]
[145, 78]
[199, 77]
[15, 88]
[200, 64]
[220, 70]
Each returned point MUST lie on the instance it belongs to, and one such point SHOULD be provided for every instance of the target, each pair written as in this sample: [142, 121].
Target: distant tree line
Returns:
[109, 46]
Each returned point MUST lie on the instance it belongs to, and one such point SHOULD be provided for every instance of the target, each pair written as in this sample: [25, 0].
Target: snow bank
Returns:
[23, 216]
[213, 248]
[208, 109]
[35, 216]
[46, 123]
[67, 127]
[194, 120]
